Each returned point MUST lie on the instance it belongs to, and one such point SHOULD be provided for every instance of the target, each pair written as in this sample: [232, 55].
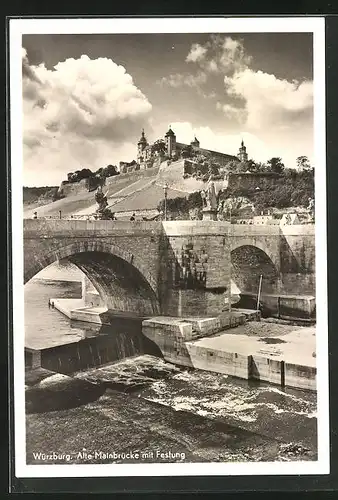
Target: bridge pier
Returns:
[197, 303]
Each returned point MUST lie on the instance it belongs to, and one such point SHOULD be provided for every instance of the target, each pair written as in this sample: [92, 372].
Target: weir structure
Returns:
[176, 275]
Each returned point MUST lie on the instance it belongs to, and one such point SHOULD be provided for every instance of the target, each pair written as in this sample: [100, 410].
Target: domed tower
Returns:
[195, 143]
[141, 145]
[170, 142]
[242, 154]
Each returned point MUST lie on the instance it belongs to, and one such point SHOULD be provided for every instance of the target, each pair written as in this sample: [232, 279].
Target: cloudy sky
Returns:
[87, 97]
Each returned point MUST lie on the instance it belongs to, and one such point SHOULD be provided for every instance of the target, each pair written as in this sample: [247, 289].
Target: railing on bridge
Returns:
[92, 217]
[68, 217]
[95, 217]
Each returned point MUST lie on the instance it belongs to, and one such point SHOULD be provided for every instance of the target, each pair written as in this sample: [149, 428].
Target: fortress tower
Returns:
[242, 154]
[195, 143]
[141, 145]
[170, 142]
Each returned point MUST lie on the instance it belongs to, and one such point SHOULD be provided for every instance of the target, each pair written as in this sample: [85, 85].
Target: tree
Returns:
[187, 152]
[232, 166]
[261, 167]
[99, 172]
[159, 147]
[213, 169]
[78, 175]
[195, 200]
[110, 170]
[85, 173]
[303, 163]
[276, 165]
[107, 171]
[251, 166]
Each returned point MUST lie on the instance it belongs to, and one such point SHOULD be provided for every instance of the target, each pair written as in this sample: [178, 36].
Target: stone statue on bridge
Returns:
[209, 196]
[209, 200]
[101, 199]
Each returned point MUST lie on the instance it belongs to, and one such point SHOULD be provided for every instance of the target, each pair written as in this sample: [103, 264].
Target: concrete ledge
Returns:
[163, 326]
[282, 359]
[228, 363]
[283, 306]
[32, 358]
[91, 316]
[302, 377]
[189, 328]
[67, 306]
[249, 314]
[266, 369]
[75, 309]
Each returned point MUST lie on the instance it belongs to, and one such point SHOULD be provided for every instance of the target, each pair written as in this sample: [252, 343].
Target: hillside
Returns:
[144, 191]
[84, 203]
[39, 195]
[126, 192]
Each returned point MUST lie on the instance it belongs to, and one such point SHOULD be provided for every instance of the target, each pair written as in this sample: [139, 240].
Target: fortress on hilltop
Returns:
[167, 148]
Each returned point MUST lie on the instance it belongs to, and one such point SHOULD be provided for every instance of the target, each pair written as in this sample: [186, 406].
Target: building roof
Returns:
[143, 139]
[181, 145]
[170, 133]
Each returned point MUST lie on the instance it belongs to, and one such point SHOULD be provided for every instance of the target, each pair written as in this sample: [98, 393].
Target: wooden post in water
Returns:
[259, 292]
[278, 307]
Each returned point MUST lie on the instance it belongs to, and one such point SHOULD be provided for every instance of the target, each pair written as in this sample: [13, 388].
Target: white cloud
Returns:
[232, 112]
[265, 102]
[219, 56]
[178, 80]
[84, 113]
[197, 53]
[270, 101]
[225, 55]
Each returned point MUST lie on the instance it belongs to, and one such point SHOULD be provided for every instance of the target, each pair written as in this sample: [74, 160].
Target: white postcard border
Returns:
[316, 25]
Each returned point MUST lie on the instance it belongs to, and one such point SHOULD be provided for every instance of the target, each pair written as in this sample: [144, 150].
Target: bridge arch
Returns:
[248, 263]
[117, 274]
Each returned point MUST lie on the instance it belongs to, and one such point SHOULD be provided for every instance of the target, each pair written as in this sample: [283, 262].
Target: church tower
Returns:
[170, 142]
[141, 145]
[242, 154]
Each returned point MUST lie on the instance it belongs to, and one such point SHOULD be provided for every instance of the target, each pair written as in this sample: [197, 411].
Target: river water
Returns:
[199, 399]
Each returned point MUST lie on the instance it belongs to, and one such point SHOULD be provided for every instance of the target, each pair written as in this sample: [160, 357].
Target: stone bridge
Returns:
[176, 268]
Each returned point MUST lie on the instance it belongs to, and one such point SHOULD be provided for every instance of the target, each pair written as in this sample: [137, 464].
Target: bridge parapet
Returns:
[254, 230]
[298, 230]
[196, 227]
[72, 228]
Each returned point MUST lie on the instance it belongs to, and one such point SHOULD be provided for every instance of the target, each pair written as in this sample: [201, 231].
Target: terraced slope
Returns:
[84, 203]
[129, 192]
[146, 199]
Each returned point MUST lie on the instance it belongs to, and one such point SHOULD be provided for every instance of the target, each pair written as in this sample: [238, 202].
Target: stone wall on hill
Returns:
[262, 180]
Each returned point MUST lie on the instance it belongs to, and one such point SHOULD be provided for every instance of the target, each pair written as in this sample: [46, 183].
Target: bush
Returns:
[195, 200]
[293, 188]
